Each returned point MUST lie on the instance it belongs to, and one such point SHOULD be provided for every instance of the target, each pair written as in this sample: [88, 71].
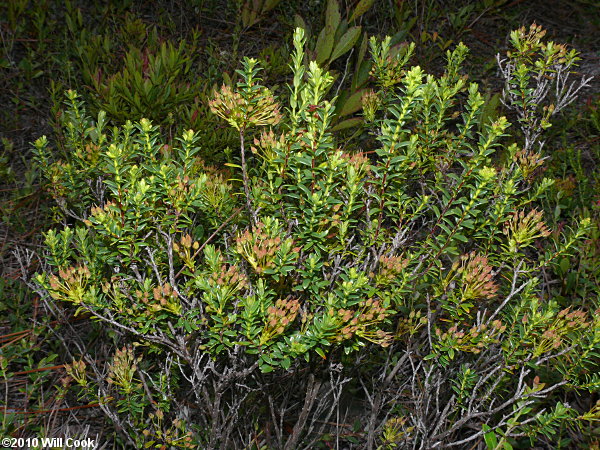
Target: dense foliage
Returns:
[393, 277]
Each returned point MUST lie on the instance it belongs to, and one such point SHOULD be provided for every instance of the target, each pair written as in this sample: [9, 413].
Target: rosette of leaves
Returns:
[418, 254]
[154, 83]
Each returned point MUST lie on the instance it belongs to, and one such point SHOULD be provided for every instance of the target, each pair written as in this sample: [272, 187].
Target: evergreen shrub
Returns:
[393, 281]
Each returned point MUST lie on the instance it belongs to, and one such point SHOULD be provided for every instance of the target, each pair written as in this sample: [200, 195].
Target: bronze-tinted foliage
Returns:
[416, 254]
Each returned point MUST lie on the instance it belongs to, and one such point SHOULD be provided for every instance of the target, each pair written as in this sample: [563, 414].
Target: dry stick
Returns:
[40, 369]
[5, 337]
[312, 391]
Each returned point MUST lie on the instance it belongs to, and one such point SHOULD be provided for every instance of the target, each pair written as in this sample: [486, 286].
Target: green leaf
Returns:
[361, 76]
[269, 5]
[489, 437]
[341, 29]
[324, 45]
[461, 237]
[332, 15]
[347, 41]
[445, 228]
[265, 368]
[320, 352]
[348, 123]
[300, 23]
[352, 104]
[362, 7]
[564, 265]
[362, 51]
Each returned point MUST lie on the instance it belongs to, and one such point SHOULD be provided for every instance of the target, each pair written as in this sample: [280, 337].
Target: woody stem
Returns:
[245, 180]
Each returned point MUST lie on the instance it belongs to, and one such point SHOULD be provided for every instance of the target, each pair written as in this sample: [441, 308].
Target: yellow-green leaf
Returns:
[320, 352]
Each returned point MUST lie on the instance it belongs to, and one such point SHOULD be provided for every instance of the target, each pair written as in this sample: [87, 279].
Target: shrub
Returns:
[399, 286]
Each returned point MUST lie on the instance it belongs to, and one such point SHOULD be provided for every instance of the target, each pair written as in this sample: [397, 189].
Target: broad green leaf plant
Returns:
[406, 267]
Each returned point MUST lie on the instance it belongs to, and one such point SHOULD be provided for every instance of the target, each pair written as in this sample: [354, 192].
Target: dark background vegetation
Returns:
[96, 47]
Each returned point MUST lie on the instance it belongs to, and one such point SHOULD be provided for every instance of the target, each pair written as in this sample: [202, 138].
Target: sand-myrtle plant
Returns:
[249, 106]
[411, 272]
[538, 81]
[125, 385]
